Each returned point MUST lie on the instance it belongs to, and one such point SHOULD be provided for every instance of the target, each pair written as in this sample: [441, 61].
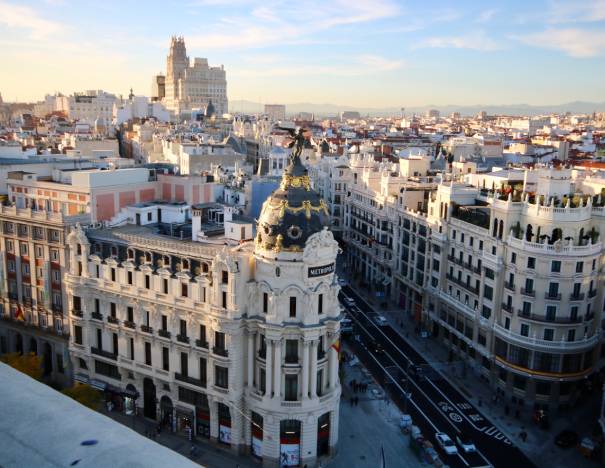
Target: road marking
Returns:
[507, 441]
[411, 401]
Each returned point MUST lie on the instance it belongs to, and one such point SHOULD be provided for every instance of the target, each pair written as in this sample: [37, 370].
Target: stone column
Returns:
[277, 370]
[269, 367]
[305, 370]
[250, 358]
[313, 392]
[333, 365]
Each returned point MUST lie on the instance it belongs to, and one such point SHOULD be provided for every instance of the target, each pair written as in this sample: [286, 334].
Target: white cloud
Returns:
[472, 41]
[486, 15]
[579, 43]
[23, 17]
[576, 11]
[290, 23]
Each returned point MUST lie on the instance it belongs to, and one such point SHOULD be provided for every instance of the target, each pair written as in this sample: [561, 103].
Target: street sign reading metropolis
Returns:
[314, 272]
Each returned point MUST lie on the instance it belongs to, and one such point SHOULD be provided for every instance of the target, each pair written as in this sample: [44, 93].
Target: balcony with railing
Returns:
[576, 297]
[509, 286]
[507, 307]
[220, 351]
[534, 342]
[552, 296]
[592, 293]
[466, 286]
[77, 313]
[291, 359]
[528, 292]
[129, 324]
[103, 353]
[549, 319]
[201, 344]
[164, 333]
[97, 316]
[182, 338]
[146, 329]
[113, 320]
[190, 380]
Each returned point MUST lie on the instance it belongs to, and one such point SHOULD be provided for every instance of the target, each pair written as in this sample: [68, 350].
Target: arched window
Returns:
[557, 234]
[500, 229]
[495, 228]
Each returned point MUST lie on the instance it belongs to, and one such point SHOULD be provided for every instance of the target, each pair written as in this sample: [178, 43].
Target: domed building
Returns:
[297, 294]
[234, 337]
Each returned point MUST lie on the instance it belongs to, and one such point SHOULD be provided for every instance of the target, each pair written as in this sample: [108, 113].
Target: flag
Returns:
[19, 313]
[336, 346]
[383, 462]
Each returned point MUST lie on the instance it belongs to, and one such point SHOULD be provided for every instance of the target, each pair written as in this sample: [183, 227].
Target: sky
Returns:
[369, 53]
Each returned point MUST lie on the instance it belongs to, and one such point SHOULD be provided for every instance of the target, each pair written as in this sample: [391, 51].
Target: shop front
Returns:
[289, 438]
[166, 412]
[224, 424]
[257, 435]
[184, 420]
[323, 435]
[202, 419]
[130, 395]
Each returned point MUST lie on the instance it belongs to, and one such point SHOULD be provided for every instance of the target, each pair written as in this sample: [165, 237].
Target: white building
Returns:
[193, 86]
[276, 111]
[233, 338]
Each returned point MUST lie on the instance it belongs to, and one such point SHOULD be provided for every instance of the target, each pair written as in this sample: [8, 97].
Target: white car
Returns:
[349, 301]
[465, 443]
[446, 443]
[381, 321]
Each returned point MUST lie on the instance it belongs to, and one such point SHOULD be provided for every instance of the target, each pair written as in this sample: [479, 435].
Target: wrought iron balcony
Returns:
[129, 324]
[97, 316]
[190, 380]
[105, 354]
[164, 333]
[146, 329]
[182, 338]
[220, 351]
[576, 297]
[201, 344]
[77, 313]
[112, 319]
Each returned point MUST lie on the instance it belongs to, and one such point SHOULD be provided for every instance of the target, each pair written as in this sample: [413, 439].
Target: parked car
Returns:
[567, 438]
[381, 321]
[346, 326]
[465, 443]
[446, 443]
[349, 301]
[405, 423]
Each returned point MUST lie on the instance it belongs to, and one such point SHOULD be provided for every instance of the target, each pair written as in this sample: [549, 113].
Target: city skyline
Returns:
[369, 54]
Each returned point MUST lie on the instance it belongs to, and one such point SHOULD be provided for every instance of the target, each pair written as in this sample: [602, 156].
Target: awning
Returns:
[83, 378]
[99, 384]
[129, 393]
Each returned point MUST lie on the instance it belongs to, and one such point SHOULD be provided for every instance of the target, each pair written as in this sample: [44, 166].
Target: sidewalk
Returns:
[539, 446]
[370, 425]
[208, 454]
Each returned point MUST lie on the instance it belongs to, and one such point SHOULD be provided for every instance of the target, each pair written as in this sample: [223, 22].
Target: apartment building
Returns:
[235, 339]
[33, 261]
[515, 283]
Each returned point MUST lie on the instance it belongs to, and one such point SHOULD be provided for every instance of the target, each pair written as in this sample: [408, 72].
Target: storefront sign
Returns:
[315, 272]
[257, 447]
[99, 384]
[289, 454]
[224, 434]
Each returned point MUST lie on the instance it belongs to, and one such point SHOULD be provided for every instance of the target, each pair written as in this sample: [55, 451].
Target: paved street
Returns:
[434, 404]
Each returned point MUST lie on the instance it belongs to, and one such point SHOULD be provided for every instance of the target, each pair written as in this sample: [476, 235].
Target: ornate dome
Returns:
[292, 213]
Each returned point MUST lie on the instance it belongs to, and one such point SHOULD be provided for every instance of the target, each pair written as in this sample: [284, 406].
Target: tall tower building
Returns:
[297, 295]
[193, 86]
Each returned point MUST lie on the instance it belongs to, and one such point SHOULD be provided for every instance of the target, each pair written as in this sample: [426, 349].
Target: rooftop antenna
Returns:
[403, 113]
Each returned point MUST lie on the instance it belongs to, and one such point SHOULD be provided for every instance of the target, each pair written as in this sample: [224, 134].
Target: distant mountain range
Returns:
[328, 110]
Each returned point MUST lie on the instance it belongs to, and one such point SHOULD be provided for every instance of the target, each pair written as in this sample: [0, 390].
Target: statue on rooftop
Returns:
[298, 140]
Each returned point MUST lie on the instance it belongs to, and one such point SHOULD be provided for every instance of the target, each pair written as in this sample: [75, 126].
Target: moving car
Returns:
[376, 347]
[381, 321]
[349, 301]
[566, 438]
[446, 443]
[465, 443]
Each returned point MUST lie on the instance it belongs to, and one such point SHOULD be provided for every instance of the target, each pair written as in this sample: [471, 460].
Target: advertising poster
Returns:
[289, 454]
[257, 447]
[224, 434]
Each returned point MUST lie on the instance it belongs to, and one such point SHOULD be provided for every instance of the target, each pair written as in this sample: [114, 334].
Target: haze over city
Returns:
[361, 53]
